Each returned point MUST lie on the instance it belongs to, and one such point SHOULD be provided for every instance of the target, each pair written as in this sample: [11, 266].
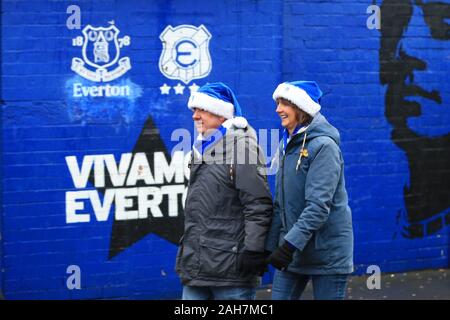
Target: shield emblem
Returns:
[100, 46]
[185, 55]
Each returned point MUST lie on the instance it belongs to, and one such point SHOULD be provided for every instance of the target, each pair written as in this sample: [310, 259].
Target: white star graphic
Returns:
[164, 89]
[179, 89]
[193, 88]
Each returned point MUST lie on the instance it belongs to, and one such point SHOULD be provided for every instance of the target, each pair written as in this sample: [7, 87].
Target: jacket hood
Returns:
[321, 127]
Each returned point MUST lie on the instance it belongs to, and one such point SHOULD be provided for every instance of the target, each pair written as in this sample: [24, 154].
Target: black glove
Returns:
[252, 262]
[282, 256]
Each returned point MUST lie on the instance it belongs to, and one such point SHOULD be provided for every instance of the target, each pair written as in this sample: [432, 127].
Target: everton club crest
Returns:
[185, 55]
[100, 53]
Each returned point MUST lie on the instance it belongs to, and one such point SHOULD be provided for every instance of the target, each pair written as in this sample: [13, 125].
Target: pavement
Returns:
[415, 285]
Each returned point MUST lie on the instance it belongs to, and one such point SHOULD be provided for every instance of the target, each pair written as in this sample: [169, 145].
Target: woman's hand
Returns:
[282, 256]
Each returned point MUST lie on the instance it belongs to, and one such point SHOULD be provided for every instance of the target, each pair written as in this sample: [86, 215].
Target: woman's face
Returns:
[288, 114]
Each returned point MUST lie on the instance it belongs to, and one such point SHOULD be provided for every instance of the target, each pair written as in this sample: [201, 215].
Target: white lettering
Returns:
[99, 172]
[72, 206]
[152, 204]
[173, 192]
[118, 175]
[123, 202]
[80, 178]
[99, 91]
[77, 90]
[102, 211]
[162, 168]
[131, 202]
[140, 170]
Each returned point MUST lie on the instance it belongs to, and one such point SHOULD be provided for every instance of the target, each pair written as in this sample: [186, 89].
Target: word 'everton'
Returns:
[100, 91]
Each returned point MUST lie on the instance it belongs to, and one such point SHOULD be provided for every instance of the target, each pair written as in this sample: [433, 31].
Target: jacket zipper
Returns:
[283, 220]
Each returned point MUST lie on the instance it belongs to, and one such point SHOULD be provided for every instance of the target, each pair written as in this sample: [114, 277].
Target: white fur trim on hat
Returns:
[297, 96]
[205, 102]
[237, 122]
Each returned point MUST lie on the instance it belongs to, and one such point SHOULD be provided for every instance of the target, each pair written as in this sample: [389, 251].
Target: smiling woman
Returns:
[290, 115]
[311, 233]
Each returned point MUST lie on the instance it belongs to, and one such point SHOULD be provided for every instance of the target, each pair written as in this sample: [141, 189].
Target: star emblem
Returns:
[165, 89]
[193, 88]
[179, 89]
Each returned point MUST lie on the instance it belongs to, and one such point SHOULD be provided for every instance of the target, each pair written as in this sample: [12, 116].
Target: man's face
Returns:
[205, 121]
[417, 68]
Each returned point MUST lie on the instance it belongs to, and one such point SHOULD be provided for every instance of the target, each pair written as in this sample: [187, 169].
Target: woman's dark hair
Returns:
[302, 117]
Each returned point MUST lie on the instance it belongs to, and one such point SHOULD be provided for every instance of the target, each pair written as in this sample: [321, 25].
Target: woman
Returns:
[311, 234]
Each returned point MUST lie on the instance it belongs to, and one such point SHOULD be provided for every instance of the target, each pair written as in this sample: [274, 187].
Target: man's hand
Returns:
[252, 262]
[282, 256]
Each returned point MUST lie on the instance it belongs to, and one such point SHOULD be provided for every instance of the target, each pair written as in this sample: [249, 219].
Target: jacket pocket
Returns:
[218, 257]
[187, 257]
[320, 241]
[321, 252]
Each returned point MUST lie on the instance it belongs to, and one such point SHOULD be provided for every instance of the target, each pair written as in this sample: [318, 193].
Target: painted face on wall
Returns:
[415, 64]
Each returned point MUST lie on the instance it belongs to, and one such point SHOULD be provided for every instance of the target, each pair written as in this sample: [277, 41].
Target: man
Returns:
[228, 205]
[414, 65]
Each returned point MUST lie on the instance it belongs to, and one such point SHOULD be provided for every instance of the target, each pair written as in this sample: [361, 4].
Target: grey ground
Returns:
[415, 285]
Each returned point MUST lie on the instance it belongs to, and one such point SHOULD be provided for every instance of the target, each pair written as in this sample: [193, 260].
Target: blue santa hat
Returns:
[304, 94]
[216, 98]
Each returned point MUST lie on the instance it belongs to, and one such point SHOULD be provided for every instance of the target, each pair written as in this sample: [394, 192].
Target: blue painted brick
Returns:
[254, 46]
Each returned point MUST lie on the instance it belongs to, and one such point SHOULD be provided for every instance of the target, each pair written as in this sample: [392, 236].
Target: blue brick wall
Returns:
[1, 177]
[254, 46]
